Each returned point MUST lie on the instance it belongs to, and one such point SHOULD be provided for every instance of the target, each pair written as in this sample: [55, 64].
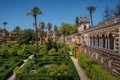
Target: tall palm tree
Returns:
[34, 12]
[49, 26]
[17, 29]
[42, 26]
[5, 23]
[91, 9]
[33, 33]
[55, 28]
[56, 31]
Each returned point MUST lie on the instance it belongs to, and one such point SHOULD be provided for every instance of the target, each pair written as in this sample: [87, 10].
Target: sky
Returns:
[54, 11]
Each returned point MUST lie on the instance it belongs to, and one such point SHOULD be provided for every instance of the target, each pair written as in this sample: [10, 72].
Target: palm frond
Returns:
[28, 14]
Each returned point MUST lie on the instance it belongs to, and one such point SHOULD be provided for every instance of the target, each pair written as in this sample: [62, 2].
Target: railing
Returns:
[107, 58]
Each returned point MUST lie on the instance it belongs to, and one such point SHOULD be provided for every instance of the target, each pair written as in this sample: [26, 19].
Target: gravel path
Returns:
[79, 69]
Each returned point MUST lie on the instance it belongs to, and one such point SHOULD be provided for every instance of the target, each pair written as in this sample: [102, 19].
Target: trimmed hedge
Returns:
[7, 73]
[93, 70]
[43, 73]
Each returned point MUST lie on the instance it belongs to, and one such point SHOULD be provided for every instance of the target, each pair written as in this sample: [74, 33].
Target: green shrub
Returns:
[52, 52]
[4, 52]
[72, 49]
[18, 70]
[63, 51]
[42, 50]
[58, 70]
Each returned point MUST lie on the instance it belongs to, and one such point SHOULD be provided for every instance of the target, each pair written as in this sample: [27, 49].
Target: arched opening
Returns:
[85, 27]
[111, 43]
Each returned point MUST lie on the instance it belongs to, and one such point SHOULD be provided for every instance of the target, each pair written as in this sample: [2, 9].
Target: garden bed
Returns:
[43, 71]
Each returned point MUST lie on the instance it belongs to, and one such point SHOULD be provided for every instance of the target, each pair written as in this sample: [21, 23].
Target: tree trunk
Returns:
[36, 35]
[91, 20]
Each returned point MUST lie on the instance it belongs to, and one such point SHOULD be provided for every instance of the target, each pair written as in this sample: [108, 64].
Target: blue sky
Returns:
[55, 11]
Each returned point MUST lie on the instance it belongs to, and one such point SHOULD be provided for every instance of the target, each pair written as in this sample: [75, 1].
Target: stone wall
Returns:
[107, 58]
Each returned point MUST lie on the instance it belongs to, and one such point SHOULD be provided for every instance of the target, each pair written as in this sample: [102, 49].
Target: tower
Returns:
[84, 23]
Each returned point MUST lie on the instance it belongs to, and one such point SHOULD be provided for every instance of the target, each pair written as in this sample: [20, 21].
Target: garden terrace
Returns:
[57, 66]
[40, 69]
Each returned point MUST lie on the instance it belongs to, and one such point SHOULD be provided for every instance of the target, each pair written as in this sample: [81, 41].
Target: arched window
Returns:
[111, 42]
[85, 27]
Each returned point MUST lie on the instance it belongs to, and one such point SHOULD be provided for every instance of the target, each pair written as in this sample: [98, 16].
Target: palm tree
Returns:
[34, 12]
[91, 9]
[55, 30]
[5, 23]
[49, 26]
[17, 30]
[42, 26]
[33, 33]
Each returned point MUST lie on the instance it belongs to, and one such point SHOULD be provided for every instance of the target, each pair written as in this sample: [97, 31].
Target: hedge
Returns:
[7, 73]
[93, 70]
[42, 73]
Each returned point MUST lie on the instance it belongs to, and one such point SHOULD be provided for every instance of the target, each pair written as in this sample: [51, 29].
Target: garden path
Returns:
[12, 77]
[79, 69]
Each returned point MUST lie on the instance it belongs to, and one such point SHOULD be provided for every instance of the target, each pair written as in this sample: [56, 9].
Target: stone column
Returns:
[105, 42]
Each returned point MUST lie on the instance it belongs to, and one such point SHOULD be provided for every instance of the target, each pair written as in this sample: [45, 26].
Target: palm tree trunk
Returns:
[64, 39]
[17, 35]
[4, 30]
[91, 20]
[36, 33]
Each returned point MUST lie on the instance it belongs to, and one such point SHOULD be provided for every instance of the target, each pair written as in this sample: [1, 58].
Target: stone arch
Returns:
[111, 41]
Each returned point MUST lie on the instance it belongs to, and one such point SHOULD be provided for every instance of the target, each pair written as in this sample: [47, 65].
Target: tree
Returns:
[34, 12]
[5, 23]
[17, 29]
[117, 11]
[67, 29]
[27, 36]
[108, 14]
[77, 21]
[91, 9]
[55, 28]
[49, 26]
[56, 31]
[41, 26]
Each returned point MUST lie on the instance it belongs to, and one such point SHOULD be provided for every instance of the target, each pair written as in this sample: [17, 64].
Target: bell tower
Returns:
[84, 23]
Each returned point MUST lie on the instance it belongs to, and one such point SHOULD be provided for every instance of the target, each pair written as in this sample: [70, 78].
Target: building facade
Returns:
[101, 42]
